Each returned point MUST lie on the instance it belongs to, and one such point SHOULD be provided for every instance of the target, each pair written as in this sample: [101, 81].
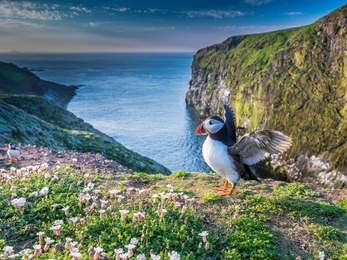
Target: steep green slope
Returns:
[14, 80]
[291, 80]
[36, 120]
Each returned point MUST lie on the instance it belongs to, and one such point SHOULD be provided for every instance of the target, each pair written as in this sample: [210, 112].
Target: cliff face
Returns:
[14, 80]
[36, 120]
[291, 80]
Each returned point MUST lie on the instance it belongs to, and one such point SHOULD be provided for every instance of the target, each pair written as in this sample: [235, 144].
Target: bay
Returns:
[136, 98]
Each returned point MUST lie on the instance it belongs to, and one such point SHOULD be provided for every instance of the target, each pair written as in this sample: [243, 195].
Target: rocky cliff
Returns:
[292, 80]
[38, 121]
[14, 80]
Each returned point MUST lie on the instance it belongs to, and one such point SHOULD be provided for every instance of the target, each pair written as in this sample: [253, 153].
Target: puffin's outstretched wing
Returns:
[251, 147]
[229, 118]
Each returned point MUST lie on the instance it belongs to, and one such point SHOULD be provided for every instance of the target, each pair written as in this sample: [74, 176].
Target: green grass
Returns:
[258, 221]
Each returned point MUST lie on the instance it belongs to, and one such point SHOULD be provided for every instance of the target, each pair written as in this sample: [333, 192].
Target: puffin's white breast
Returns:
[216, 155]
[13, 153]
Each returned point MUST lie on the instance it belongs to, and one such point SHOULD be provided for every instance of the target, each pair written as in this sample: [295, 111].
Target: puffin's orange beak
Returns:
[200, 130]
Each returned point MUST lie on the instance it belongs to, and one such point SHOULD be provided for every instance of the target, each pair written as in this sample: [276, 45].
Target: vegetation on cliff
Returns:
[14, 80]
[292, 80]
[38, 121]
[63, 213]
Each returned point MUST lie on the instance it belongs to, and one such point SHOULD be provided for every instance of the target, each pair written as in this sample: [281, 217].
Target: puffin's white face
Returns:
[209, 126]
[212, 125]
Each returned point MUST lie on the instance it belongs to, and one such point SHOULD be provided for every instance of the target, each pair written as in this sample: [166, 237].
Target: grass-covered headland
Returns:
[61, 213]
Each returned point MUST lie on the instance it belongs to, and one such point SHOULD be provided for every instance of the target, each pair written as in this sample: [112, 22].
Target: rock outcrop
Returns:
[32, 120]
[14, 80]
[292, 80]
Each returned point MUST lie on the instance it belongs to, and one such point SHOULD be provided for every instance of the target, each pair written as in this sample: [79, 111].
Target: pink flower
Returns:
[204, 234]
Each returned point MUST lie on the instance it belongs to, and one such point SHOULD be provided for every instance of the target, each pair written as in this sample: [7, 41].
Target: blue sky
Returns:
[145, 25]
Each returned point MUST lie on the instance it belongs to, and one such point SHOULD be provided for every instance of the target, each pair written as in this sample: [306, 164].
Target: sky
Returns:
[145, 25]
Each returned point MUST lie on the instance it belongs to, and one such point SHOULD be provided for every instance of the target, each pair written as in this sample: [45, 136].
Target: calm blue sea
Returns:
[136, 98]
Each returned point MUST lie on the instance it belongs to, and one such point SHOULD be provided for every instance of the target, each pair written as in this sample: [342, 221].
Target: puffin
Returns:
[231, 157]
[13, 153]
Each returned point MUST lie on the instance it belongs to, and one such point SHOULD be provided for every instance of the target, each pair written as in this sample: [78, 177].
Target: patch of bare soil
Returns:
[85, 162]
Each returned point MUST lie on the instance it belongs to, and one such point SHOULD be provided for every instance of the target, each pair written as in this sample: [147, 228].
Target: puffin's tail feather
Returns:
[248, 174]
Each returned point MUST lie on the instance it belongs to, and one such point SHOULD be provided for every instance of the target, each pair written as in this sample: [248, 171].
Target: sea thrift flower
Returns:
[130, 250]
[96, 192]
[75, 255]
[48, 241]
[155, 198]
[124, 256]
[102, 213]
[74, 220]
[58, 222]
[141, 257]
[155, 257]
[118, 252]
[103, 203]
[37, 250]
[44, 191]
[123, 213]
[33, 194]
[163, 211]
[40, 234]
[113, 193]
[174, 255]
[120, 198]
[207, 245]
[57, 248]
[90, 185]
[204, 234]
[134, 241]
[7, 251]
[66, 210]
[97, 250]
[56, 230]
[100, 239]
[129, 190]
[17, 203]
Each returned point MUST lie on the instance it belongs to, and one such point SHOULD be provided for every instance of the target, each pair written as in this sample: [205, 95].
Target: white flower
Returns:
[118, 250]
[44, 191]
[130, 246]
[48, 240]
[155, 257]
[74, 219]
[174, 255]
[124, 211]
[75, 254]
[322, 255]
[134, 241]
[141, 257]
[58, 222]
[90, 185]
[36, 247]
[8, 249]
[98, 249]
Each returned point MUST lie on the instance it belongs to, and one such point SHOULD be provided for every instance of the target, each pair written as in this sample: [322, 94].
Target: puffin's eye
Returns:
[211, 123]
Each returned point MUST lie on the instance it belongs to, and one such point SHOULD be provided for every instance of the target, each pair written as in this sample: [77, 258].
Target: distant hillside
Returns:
[14, 80]
[36, 120]
[291, 80]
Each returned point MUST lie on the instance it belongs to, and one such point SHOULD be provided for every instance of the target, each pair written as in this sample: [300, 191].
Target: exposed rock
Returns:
[292, 80]
[14, 80]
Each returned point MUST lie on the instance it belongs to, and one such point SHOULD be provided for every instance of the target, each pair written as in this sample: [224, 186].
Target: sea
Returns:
[136, 98]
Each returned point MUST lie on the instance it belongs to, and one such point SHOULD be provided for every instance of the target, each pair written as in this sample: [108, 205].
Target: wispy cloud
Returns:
[250, 29]
[257, 2]
[293, 13]
[160, 28]
[28, 10]
[80, 9]
[214, 13]
[9, 23]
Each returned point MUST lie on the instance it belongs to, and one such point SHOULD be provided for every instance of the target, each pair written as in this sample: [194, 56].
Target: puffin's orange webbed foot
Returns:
[225, 186]
[226, 193]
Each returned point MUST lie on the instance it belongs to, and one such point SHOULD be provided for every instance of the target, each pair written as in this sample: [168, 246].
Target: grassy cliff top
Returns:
[167, 216]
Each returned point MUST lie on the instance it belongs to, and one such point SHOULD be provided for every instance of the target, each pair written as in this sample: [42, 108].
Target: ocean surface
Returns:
[136, 98]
